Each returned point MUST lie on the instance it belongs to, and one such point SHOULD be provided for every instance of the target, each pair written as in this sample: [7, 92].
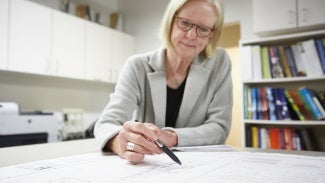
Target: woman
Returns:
[181, 93]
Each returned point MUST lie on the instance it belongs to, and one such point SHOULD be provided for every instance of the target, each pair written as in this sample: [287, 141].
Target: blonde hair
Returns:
[167, 21]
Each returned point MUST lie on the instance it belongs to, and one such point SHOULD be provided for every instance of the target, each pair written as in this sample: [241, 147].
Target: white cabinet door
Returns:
[68, 55]
[123, 48]
[274, 15]
[4, 7]
[311, 12]
[99, 49]
[29, 37]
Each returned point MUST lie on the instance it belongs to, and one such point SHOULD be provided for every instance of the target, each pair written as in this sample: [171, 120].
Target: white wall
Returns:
[142, 19]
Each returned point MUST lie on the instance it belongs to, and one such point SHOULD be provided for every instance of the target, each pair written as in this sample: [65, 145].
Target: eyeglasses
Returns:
[186, 25]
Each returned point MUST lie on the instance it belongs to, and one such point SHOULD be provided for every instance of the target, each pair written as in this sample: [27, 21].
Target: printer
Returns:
[18, 128]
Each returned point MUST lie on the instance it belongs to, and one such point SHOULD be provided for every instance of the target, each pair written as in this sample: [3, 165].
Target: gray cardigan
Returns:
[204, 116]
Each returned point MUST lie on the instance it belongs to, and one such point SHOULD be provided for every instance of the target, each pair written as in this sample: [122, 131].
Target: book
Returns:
[294, 106]
[276, 68]
[245, 102]
[274, 136]
[254, 102]
[284, 106]
[281, 109]
[271, 103]
[248, 136]
[321, 97]
[307, 115]
[257, 63]
[300, 62]
[308, 99]
[291, 61]
[311, 59]
[255, 136]
[264, 106]
[263, 138]
[265, 63]
[247, 65]
[288, 138]
[296, 140]
[258, 104]
[284, 62]
[321, 52]
[320, 107]
[309, 139]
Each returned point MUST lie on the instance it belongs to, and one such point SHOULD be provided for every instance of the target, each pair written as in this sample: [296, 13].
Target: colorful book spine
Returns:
[276, 68]
[291, 61]
[284, 62]
[299, 102]
[321, 52]
[254, 103]
[274, 135]
[255, 136]
[265, 63]
[308, 98]
[294, 105]
[271, 103]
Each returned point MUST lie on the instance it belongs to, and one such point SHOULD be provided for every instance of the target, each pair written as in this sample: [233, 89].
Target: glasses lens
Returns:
[186, 25]
[203, 31]
[183, 24]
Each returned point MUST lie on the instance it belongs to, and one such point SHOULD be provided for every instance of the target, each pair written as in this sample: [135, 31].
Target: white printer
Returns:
[18, 128]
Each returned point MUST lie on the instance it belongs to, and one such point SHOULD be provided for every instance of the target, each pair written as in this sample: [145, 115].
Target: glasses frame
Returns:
[193, 25]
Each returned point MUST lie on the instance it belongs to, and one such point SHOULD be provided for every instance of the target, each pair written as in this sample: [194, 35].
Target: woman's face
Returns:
[187, 44]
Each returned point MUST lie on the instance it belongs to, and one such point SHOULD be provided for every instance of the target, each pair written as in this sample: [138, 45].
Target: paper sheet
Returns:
[243, 167]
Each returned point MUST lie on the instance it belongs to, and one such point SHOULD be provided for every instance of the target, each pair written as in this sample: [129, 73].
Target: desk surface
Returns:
[28, 153]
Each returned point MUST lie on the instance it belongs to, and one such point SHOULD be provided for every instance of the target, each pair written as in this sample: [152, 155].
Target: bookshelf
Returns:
[293, 133]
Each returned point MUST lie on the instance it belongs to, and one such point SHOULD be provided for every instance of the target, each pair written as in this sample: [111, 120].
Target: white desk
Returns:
[28, 153]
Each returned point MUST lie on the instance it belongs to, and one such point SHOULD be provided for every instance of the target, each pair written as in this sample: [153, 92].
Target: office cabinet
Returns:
[311, 12]
[4, 6]
[68, 45]
[49, 42]
[123, 48]
[30, 27]
[284, 16]
[99, 50]
[276, 113]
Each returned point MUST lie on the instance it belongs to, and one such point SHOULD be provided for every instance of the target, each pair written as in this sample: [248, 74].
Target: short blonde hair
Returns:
[167, 21]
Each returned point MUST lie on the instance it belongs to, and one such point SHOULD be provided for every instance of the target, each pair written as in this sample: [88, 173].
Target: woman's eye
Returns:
[186, 23]
[203, 29]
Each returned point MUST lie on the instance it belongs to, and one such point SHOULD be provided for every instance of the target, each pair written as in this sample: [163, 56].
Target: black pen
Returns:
[167, 150]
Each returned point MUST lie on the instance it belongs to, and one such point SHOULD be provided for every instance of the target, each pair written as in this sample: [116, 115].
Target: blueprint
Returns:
[243, 167]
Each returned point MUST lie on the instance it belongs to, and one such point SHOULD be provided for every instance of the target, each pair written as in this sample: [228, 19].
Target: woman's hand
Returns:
[142, 135]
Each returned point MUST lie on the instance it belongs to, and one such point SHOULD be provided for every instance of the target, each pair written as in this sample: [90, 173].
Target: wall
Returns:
[142, 19]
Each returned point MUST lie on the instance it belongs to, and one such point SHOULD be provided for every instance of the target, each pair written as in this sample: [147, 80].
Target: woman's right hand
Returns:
[142, 138]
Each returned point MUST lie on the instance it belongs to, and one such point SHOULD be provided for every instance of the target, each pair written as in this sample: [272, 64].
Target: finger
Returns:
[135, 133]
[143, 128]
[142, 144]
[133, 156]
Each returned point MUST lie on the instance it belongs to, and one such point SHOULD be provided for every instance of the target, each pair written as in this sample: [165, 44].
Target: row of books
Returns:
[267, 103]
[304, 58]
[280, 138]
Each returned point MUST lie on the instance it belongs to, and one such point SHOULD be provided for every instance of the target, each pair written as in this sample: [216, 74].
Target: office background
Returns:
[141, 19]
